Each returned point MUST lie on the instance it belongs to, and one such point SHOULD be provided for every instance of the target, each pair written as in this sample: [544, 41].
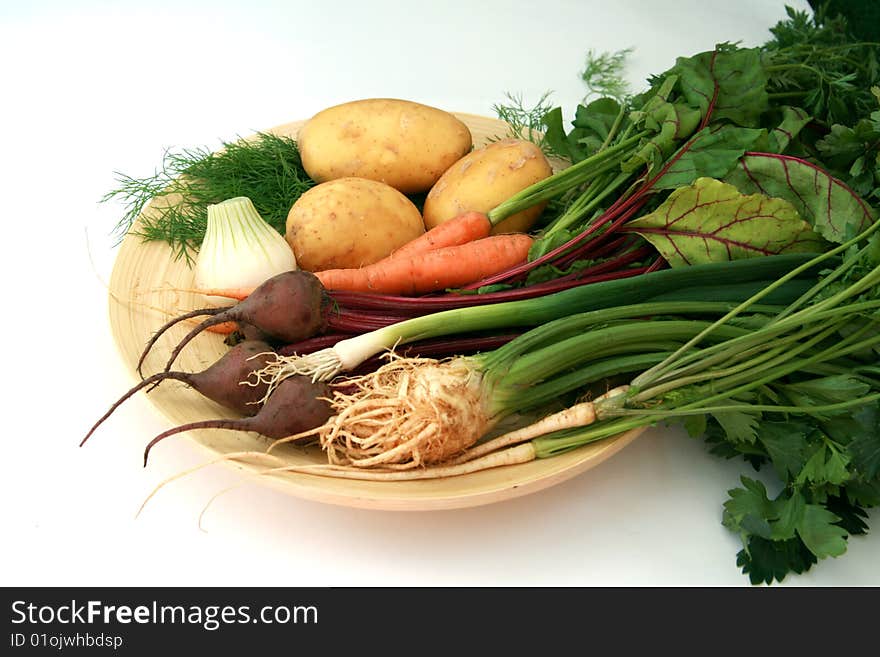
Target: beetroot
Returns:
[223, 382]
[297, 404]
[288, 307]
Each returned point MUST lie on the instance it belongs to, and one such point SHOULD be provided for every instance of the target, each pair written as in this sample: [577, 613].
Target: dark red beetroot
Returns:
[222, 382]
[288, 307]
[297, 404]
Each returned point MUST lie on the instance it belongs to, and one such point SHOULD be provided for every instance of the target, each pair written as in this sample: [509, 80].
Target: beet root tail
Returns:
[218, 318]
[149, 381]
[235, 425]
[193, 313]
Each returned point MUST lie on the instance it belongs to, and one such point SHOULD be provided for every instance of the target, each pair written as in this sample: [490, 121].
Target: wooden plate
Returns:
[145, 291]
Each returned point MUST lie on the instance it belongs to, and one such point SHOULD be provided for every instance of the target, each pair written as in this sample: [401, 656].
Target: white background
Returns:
[90, 88]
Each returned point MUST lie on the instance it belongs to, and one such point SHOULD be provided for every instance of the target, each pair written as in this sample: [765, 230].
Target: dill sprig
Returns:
[525, 122]
[267, 169]
[604, 75]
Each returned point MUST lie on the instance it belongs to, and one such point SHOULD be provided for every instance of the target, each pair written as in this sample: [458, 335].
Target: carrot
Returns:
[447, 267]
[464, 228]
[238, 293]
[223, 329]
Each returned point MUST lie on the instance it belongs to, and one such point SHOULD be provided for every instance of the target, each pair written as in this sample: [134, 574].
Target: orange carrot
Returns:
[223, 329]
[431, 271]
[238, 294]
[466, 227]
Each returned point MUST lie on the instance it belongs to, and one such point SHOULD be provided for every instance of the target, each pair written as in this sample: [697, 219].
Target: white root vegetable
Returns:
[511, 456]
[408, 413]
[579, 415]
[414, 419]
[416, 412]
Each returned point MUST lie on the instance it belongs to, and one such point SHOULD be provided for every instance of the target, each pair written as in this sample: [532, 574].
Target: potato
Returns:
[485, 178]
[350, 222]
[403, 144]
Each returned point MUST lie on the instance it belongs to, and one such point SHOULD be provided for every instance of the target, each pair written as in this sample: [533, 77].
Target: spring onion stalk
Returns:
[675, 285]
[413, 412]
[240, 250]
[572, 177]
[859, 286]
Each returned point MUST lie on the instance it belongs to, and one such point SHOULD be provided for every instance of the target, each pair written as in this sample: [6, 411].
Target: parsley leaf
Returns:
[826, 466]
[819, 531]
[785, 443]
[740, 427]
[748, 510]
[765, 561]
[826, 390]
[851, 515]
[863, 431]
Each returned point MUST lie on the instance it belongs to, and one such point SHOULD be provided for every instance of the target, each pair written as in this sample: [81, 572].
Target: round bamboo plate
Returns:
[147, 287]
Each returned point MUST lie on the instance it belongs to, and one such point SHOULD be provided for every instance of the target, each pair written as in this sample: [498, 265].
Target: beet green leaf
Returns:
[729, 81]
[832, 208]
[710, 221]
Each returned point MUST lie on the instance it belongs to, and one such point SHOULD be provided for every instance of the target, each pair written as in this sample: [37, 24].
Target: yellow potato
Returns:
[486, 177]
[403, 144]
[350, 222]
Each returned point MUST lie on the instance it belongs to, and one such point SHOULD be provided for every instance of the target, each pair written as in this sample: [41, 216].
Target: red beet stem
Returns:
[607, 248]
[608, 266]
[346, 320]
[516, 273]
[577, 248]
[602, 245]
[456, 346]
[658, 264]
[415, 306]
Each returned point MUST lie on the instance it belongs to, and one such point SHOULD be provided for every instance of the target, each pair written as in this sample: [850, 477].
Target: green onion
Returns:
[672, 285]
[444, 407]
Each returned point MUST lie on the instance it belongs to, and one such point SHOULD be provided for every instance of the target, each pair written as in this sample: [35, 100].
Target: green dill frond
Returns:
[604, 74]
[525, 122]
[267, 169]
